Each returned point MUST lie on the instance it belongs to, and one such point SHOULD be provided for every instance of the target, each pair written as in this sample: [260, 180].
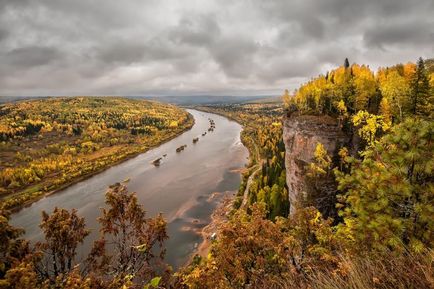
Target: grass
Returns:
[388, 271]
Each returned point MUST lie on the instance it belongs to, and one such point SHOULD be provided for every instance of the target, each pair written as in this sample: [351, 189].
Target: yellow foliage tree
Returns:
[365, 86]
[385, 111]
[396, 89]
[369, 126]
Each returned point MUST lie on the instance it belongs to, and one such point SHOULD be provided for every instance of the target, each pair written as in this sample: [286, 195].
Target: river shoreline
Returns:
[218, 218]
[221, 213]
[28, 203]
[186, 188]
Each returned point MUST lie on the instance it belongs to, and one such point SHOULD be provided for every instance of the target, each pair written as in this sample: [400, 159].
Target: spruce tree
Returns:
[346, 63]
[420, 90]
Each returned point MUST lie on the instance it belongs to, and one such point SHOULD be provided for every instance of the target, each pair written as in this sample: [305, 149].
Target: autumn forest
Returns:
[49, 144]
[250, 144]
[356, 211]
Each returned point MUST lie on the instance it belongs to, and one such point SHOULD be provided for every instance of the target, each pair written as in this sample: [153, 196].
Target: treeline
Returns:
[393, 92]
[46, 144]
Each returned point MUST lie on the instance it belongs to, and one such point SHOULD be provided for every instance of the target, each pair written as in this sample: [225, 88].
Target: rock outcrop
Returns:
[301, 133]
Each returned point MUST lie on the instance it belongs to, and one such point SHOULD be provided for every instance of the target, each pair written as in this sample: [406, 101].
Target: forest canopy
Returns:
[49, 143]
[392, 92]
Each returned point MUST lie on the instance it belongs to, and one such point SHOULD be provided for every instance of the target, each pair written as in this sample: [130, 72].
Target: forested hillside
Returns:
[47, 144]
[262, 134]
[382, 236]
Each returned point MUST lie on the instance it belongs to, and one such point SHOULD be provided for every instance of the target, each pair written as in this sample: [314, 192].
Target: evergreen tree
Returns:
[346, 63]
[276, 201]
[420, 90]
[389, 194]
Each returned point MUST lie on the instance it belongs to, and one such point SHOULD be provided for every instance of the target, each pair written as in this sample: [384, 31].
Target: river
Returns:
[186, 187]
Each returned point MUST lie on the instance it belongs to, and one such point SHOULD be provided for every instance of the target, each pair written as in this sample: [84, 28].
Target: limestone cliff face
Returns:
[301, 133]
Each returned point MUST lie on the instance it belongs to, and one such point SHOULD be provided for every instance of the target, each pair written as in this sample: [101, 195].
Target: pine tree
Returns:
[346, 63]
[275, 202]
[420, 90]
[389, 194]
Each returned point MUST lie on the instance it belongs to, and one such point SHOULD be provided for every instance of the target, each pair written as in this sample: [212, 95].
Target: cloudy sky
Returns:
[221, 47]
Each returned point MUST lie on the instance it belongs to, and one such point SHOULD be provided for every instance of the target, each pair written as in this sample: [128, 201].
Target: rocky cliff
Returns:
[301, 133]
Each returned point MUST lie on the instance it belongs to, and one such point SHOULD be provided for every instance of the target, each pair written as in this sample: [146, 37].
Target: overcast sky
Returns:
[221, 47]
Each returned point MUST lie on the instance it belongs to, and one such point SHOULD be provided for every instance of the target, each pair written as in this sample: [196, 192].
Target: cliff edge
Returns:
[301, 133]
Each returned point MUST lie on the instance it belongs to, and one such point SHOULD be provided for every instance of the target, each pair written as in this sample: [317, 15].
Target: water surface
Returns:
[186, 187]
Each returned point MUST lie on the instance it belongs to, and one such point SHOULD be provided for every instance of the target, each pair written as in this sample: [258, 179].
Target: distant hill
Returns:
[270, 99]
[205, 99]
[178, 100]
[6, 99]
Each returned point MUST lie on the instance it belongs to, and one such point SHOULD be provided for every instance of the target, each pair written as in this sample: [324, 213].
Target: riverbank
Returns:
[33, 194]
[221, 214]
[218, 218]
[261, 135]
[186, 188]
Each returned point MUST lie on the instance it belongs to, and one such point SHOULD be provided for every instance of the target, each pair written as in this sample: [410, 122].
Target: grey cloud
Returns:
[313, 27]
[123, 52]
[6, 3]
[164, 46]
[235, 56]
[414, 34]
[176, 44]
[335, 53]
[196, 31]
[3, 34]
[345, 15]
[31, 56]
[290, 67]
[295, 35]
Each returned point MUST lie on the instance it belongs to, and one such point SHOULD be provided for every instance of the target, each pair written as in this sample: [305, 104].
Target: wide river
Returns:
[186, 187]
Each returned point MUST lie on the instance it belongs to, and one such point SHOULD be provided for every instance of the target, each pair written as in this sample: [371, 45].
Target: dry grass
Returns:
[409, 271]
[406, 271]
